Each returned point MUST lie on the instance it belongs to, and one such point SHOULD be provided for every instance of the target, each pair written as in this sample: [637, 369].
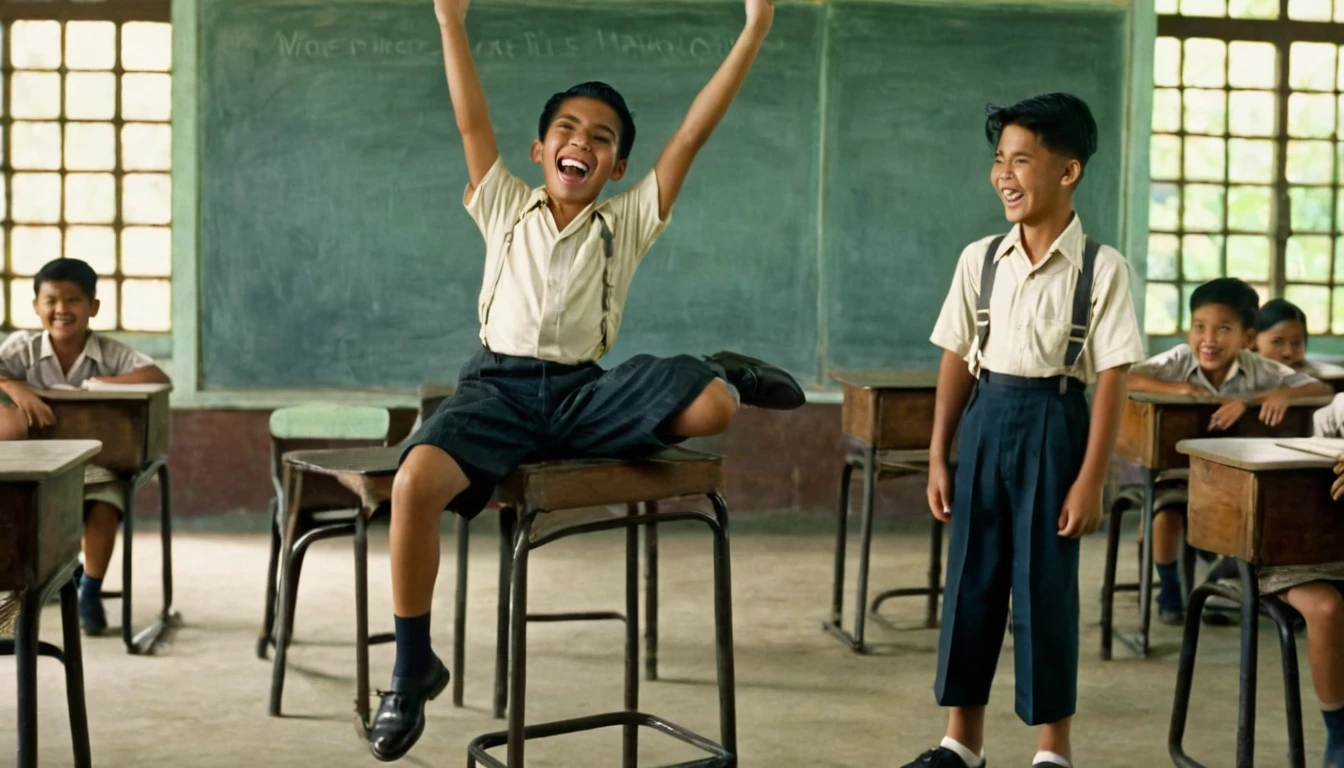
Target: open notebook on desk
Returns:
[1329, 447]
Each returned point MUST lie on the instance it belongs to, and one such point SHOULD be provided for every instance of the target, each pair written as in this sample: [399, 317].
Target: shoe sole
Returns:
[434, 693]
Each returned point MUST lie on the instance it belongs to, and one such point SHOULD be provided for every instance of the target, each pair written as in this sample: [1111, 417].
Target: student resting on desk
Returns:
[1321, 602]
[1031, 459]
[66, 354]
[558, 266]
[1281, 334]
[1215, 362]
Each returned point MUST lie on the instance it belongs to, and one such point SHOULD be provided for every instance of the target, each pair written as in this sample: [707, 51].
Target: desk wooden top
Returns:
[915, 378]
[106, 392]
[36, 460]
[1253, 454]
[373, 462]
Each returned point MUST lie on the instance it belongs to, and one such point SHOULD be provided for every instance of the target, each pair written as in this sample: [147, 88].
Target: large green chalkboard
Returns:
[906, 162]
[335, 251]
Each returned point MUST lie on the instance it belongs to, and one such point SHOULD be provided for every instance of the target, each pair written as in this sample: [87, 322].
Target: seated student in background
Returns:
[1317, 592]
[1216, 362]
[66, 354]
[1281, 334]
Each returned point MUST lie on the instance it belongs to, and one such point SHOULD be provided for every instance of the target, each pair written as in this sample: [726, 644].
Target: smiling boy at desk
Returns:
[66, 354]
[1216, 363]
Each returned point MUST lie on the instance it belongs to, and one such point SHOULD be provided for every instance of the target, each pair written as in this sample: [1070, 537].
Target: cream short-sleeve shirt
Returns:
[1031, 310]
[542, 295]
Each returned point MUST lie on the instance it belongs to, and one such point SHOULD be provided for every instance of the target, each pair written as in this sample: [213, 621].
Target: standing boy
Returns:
[67, 354]
[1031, 318]
[558, 267]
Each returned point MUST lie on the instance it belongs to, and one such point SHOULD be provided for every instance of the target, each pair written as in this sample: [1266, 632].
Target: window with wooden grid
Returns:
[1247, 156]
[85, 115]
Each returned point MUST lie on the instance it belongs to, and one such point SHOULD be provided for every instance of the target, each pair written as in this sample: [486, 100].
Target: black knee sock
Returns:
[1334, 737]
[1169, 591]
[414, 655]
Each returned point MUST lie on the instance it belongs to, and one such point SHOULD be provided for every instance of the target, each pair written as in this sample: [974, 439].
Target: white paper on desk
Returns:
[64, 388]
[103, 386]
[1329, 447]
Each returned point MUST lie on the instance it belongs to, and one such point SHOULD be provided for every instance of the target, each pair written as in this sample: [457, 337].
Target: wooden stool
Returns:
[131, 421]
[1260, 504]
[42, 494]
[887, 420]
[538, 495]
[1174, 496]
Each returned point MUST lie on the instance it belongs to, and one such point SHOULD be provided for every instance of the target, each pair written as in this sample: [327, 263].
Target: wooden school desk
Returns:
[131, 421]
[1261, 504]
[42, 498]
[1150, 428]
[887, 421]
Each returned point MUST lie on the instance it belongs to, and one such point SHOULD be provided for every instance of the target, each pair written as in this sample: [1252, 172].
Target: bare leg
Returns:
[100, 536]
[426, 482]
[1167, 530]
[1323, 608]
[1055, 737]
[709, 414]
[967, 726]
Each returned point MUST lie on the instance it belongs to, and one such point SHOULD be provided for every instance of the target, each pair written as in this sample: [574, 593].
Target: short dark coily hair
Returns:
[1230, 292]
[1062, 122]
[601, 92]
[1278, 311]
[68, 271]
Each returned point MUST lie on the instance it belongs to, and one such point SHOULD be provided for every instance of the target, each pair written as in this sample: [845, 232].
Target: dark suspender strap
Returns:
[1082, 304]
[606, 277]
[987, 271]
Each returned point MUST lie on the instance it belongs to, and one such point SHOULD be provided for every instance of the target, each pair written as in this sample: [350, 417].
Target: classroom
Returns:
[297, 377]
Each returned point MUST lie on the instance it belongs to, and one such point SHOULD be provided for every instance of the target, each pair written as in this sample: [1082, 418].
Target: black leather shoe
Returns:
[941, 757]
[1173, 617]
[760, 384]
[401, 715]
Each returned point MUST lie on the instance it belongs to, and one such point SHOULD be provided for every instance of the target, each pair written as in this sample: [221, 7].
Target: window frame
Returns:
[1281, 32]
[155, 343]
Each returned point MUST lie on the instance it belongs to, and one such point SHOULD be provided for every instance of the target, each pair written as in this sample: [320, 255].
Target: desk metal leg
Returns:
[1292, 690]
[1138, 644]
[74, 675]
[630, 733]
[865, 547]
[25, 654]
[1113, 534]
[361, 547]
[1250, 636]
[835, 622]
[935, 572]
[272, 579]
[462, 532]
[651, 594]
[508, 522]
[146, 641]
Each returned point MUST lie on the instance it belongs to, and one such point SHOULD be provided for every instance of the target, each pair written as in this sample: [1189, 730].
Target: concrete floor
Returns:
[803, 700]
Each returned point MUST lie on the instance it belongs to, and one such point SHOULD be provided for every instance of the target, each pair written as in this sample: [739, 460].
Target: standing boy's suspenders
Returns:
[1082, 302]
[607, 248]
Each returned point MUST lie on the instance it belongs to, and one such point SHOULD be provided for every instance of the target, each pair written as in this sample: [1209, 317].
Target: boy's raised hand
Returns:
[450, 10]
[760, 13]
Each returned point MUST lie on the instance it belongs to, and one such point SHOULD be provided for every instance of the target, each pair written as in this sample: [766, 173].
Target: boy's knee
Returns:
[712, 412]
[427, 474]
[13, 424]
[1324, 608]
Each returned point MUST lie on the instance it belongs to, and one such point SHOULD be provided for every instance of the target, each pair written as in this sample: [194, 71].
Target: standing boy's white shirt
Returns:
[1031, 309]
[541, 296]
